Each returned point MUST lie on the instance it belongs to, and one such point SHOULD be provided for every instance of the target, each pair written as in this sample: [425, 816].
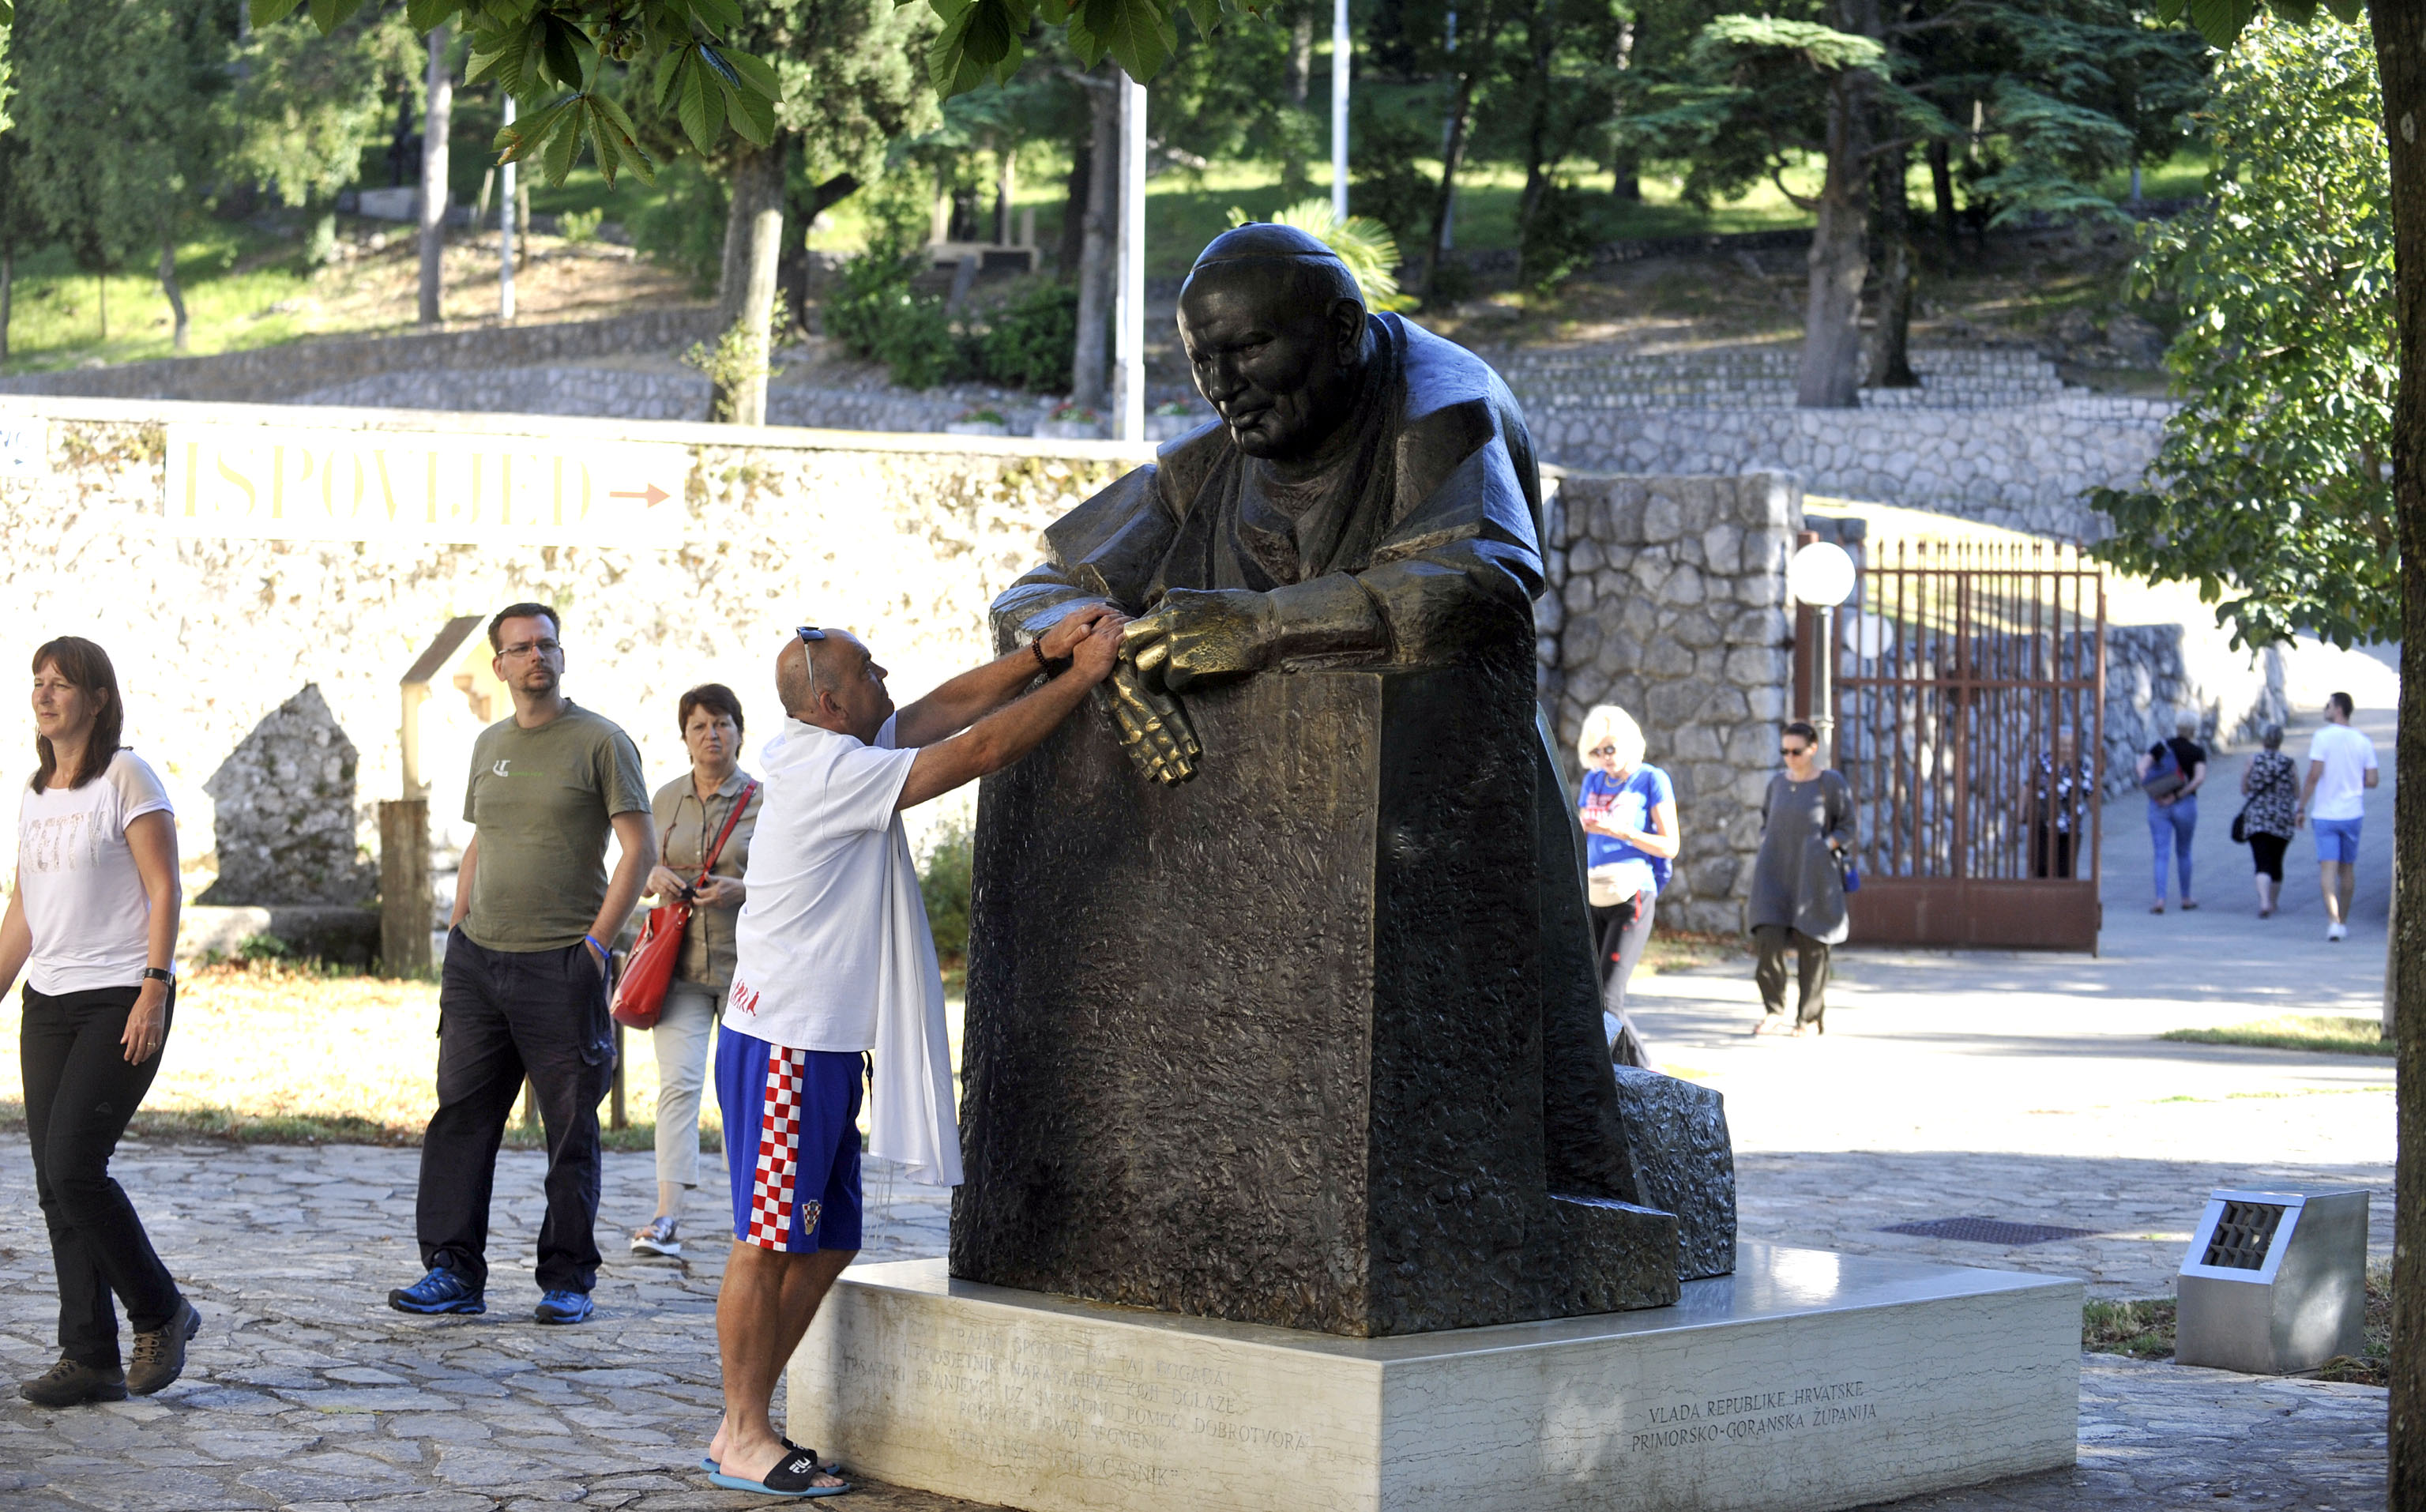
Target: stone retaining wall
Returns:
[274, 374]
[1668, 598]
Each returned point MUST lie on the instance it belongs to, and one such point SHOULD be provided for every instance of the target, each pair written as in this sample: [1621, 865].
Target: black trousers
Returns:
[502, 1015]
[1811, 966]
[2266, 851]
[80, 1095]
[2051, 852]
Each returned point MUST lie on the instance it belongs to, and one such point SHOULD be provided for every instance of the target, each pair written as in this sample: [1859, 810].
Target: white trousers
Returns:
[686, 1027]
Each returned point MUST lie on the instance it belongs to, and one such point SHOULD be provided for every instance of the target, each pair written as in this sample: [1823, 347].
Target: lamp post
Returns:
[1821, 576]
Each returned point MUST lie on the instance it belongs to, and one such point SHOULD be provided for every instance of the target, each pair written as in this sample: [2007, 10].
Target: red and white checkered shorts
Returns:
[790, 1120]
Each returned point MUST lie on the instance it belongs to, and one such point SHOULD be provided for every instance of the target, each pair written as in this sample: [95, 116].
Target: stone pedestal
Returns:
[1806, 1380]
[1312, 1040]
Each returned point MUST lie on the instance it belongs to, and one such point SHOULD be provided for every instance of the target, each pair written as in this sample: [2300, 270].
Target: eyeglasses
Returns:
[526, 648]
[1604, 750]
[1795, 750]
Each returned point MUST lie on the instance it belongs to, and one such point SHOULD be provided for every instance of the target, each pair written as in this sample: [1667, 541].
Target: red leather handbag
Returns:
[641, 992]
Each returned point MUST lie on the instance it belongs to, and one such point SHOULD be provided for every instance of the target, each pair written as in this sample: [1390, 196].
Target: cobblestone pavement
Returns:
[305, 1392]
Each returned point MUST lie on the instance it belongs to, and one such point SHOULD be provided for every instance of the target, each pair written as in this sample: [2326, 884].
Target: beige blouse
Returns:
[686, 828]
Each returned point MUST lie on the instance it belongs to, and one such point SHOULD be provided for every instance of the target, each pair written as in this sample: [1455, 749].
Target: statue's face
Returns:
[1280, 371]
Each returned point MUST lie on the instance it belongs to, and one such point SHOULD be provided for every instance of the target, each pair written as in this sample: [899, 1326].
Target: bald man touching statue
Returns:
[834, 961]
[1282, 1005]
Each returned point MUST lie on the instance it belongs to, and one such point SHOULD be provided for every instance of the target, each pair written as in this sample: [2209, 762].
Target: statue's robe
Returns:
[1413, 540]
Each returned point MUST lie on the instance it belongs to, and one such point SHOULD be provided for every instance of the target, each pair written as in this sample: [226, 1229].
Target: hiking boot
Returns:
[68, 1384]
[440, 1291]
[160, 1353]
[563, 1307]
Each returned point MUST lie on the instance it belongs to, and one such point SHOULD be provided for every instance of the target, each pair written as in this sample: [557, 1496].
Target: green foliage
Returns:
[945, 884]
[685, 229]
[118, 108]
[579, 226]
[1030, 338]
[2221, 21]
[1558, 240]
[1383, 181]
[740, 355]
[307, 104]
[2273, 490]
[878, 314]
[263, 948]
[1362, 242]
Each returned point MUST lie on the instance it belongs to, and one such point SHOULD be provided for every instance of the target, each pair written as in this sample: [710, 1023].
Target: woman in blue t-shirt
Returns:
[1628, 811]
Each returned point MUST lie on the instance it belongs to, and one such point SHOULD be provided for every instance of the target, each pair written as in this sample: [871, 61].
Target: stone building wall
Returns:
[908, 539]
[1668, 598]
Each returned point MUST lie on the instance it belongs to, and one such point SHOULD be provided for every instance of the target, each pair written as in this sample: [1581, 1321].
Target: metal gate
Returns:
[1970, 699]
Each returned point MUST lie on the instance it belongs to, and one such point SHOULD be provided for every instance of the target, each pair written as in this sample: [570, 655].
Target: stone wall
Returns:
[2020, 466]
[907, 539]
[274, 374]
[1668, 598]
[2156, 674]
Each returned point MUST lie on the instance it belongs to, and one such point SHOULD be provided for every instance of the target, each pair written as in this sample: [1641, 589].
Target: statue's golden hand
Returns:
[1153, 727]
[1200, 633]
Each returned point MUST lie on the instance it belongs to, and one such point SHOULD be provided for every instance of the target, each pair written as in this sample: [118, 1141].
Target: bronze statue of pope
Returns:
[1369, 496]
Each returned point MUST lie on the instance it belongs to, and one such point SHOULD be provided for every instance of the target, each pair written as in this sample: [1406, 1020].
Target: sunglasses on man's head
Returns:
[810, 632]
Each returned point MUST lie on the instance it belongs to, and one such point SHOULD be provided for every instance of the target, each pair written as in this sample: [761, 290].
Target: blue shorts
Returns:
[2337, 839]
[791, 1143]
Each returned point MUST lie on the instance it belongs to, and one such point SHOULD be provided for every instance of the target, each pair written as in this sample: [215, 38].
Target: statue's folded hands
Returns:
[1153, 728]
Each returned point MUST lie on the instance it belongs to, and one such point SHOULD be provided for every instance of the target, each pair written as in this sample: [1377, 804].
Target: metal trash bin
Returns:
[2274, 1282]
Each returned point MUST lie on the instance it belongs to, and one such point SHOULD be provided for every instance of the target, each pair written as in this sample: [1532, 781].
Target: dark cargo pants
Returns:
[502, 1015]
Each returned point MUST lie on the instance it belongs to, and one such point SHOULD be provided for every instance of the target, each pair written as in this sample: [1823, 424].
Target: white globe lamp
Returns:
[1821, 576]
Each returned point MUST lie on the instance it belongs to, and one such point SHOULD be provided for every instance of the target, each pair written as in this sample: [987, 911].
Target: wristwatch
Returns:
[159, 973]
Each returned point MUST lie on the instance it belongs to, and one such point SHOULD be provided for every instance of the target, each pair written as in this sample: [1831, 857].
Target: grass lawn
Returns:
[2297, 1031]
[2145, 1330]
[273, 1053]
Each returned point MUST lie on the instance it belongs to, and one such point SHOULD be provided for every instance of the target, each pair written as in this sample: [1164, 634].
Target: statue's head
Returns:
[1274, 329]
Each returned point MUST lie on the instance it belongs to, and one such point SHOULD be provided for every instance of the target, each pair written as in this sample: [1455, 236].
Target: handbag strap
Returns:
[748, 790]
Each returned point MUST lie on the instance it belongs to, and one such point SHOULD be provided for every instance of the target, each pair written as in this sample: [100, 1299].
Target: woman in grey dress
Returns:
[1797, 883]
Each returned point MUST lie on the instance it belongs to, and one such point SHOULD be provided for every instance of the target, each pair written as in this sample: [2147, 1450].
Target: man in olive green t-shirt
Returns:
[523, 988]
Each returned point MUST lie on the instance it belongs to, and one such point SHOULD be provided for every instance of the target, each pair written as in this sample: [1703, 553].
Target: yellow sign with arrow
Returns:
[301, 484]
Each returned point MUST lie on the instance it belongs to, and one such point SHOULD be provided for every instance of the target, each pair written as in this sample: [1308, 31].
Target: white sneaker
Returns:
[2335, 931]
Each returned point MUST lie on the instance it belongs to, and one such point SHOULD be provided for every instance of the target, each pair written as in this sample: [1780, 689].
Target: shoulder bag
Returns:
[640, 993]
[2165, 775]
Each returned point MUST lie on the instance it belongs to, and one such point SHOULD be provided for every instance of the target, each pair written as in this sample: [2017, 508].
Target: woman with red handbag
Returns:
[703, 821]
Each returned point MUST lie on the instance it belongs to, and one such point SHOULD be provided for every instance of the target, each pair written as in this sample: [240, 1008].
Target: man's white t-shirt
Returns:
[2348, 758]
[84, 900]
[833, 951]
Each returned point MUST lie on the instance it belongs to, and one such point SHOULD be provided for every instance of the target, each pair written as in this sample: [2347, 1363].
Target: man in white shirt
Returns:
[2342, 767]
[835, 960]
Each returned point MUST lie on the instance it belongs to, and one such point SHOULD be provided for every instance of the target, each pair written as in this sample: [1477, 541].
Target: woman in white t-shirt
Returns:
[91, 924]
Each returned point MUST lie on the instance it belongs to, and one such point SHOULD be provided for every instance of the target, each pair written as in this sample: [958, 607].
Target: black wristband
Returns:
[1042, 660]
[156, 973]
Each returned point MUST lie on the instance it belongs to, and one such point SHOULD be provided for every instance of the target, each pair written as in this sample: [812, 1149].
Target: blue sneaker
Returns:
[564, 1306]
[440, 1291]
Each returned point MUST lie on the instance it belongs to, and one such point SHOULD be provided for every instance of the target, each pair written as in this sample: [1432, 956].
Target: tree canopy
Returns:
[2274, 489]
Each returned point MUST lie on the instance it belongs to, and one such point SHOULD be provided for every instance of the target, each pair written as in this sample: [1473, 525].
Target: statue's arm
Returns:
[1107, 548]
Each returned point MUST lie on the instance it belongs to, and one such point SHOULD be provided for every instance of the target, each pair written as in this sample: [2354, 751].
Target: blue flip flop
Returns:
[707, 1462]
[791, 1478]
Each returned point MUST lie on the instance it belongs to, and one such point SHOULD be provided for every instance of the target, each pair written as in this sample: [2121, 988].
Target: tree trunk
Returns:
[1090, 364]
[792, 265]
[436, 121]
[1891, 354]
[1941, 183]
[1074, 203]
[745, 401]
[757, 186]
[168, 286]
[1301, 66]
[1625, 162]
[1541, 35]
[1832, 321]
[2401, 61]
[7, 291]
[521, 221]
[1461, 114]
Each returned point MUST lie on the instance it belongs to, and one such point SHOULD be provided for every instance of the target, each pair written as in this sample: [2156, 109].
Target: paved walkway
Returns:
[1949, 1085]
